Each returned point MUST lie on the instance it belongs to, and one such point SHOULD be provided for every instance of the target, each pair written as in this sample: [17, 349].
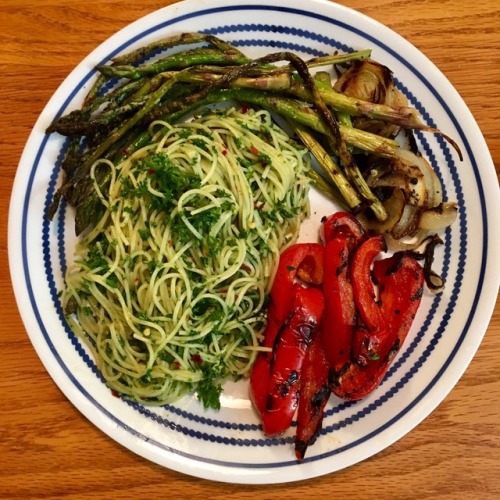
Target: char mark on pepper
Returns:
[344, 255]
[394, 349]
[417, 295]
[396, 264]
[319, 397]
[292, 379]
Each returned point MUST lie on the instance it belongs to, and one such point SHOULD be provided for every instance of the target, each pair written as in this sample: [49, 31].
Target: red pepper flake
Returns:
[245, 108]
[224, 152]
[196, 358]
[151, 171]
[254, 150]
[176, 364]
[114, 393]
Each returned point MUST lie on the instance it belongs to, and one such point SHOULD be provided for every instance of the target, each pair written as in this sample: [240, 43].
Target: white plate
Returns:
[228, 445]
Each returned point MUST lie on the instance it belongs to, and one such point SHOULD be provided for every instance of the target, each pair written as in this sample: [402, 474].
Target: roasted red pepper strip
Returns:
[358, 381]
[372, 341]
[340, 310]
[342, 234]
[289, 352]
[301, 262]
[400, 279]
[259, 376]
[341, 224]
[314, 394]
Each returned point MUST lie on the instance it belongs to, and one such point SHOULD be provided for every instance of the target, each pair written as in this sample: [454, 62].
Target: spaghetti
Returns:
[169, 289]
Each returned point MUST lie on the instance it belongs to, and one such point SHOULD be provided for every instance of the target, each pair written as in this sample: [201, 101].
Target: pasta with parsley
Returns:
[169, 288]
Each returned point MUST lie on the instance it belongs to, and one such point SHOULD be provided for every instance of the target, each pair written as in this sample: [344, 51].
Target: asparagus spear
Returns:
[329, 190]
[137, 55]
[323, 79]
[403, 116]
[81, 122]
[289, 108]
[224, 54]
[175, 41]
[330, 167]
[180, 60]
[406, 117]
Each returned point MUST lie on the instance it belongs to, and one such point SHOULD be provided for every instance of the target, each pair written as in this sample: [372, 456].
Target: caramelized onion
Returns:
[394, 206]
[406, 177]
[367, 80]
[431, 180]
[408, 243]
[407, 225]
[439, 217]
[412, 190]
[434, 282]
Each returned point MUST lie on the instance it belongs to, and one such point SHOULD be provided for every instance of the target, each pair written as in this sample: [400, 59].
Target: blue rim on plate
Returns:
[424, 372]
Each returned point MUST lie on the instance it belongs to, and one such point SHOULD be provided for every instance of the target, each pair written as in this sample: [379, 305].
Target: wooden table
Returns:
[48, 449]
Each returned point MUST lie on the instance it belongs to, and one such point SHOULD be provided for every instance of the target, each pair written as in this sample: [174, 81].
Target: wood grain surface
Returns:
[49, 450]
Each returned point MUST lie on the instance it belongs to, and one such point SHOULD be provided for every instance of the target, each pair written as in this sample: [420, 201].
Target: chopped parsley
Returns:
[209, 388]
[164, 177]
